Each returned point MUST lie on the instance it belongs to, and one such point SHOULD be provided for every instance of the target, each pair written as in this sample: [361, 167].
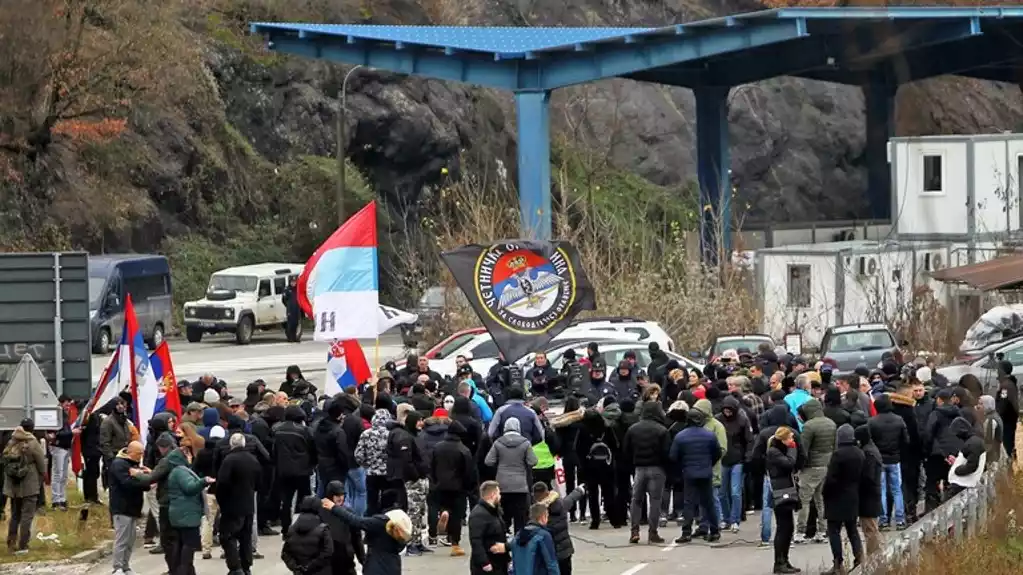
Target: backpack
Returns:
[17, 463]
[600, 453]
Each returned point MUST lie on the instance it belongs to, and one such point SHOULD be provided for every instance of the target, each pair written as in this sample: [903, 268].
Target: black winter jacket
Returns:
[294, 451]
[889, 432]
[938, 440]
[452, 467]
[486, 528]
[240, 471]
[404, 462]
[126, 492]
[870, 479]
[905, 407]
[780, 463]
[972, 449]
[647, 442]
[841, 489]
[557, 521]
[738, 430]
[308, 547]
[333, 452]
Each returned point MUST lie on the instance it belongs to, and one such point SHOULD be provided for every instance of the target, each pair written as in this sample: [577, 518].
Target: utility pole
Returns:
[342, 145]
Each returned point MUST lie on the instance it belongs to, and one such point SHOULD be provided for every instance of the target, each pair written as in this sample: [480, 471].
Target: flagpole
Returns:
[376, 354]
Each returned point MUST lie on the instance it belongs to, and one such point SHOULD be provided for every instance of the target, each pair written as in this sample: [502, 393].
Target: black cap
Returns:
[465, 370]
[28, 425]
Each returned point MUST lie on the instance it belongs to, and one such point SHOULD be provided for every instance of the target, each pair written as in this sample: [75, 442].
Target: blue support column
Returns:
[534, 155]
[713, 162]
[880, 103]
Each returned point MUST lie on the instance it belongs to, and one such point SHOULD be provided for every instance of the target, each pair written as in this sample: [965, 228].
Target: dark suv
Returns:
[853, 344]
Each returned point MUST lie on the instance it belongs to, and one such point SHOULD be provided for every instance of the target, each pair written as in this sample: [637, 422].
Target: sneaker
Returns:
[700, 532]
[413, 551]
[723, 525]
[129, 572]
[683, 539]
[785, 570]
[763, 545]
[634, 537]
[735, 527]
[662, 522]
[156, 550]
[799, 539]
[883, 527]
[442, 522]
[901, 526]
[583, 519]
[148, 542]
[119, 572]
[820, 538]
[713, 537]
[456, 551]
[654, 539]
[444, 541]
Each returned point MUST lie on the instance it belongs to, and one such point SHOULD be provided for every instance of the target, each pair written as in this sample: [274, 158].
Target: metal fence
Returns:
[961, 516]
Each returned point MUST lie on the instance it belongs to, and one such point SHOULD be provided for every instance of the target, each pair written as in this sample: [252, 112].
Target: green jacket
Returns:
[718, 428]
[818, 436]
[184, 493]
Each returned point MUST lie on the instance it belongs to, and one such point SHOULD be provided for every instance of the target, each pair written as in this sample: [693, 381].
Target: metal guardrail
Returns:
[962, 516]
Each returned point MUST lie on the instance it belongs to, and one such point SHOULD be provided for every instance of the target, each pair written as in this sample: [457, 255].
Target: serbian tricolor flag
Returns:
[144, 388]
[338, 287]
[167, 399]
[110, 384]
[346, 366]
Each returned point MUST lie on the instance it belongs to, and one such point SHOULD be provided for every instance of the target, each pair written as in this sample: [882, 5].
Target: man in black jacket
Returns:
[294, 455]
[252, 445]
[126, 495]
[488, 535]
[342, 562]
[452, 475]
[333, 454]
[939, 444]
[904, 405]
[238, 480]
[891, 437]
[423, 403]
[645, 448]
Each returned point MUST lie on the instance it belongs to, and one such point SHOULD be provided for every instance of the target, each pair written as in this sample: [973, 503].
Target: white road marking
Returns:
[634, 570]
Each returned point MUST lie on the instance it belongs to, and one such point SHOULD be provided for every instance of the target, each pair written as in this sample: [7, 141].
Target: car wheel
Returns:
[157, 337]
[243, 335]
[102, 345]
[193, 334]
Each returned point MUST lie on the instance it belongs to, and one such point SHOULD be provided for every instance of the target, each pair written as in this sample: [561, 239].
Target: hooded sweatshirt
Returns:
[513, 457]
[371, 451]
[704, 406]
[738, 430]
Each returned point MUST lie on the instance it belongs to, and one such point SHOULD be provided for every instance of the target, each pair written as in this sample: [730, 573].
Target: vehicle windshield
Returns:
[750, 344]
[236, 283]
[432, 297]
[866, 340]
[96, 285]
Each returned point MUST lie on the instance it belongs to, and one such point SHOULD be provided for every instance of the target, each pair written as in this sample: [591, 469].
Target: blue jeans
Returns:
[730, 493]
[891, 478]
[355, 491]
[767, 513]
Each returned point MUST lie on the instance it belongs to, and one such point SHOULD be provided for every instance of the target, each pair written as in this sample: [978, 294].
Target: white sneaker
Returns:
[723, 525]
[820, 538]
[119, 572]
[735, 527]
[799, 538]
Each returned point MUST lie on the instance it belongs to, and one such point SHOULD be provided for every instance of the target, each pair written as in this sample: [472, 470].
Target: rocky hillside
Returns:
[170, 129]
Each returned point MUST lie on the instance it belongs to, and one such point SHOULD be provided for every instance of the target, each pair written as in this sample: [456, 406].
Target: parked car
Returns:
[646, 330]
[112, 277]
[430, 307]
[482, 351]
[240, 300]
[852, 344]
[446, 346]
[613, 351]
[750, 341]
[985, 367]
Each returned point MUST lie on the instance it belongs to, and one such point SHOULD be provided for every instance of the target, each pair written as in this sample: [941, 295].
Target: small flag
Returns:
[144, 388]
[338, 287]
[167, 399]
[346, 365]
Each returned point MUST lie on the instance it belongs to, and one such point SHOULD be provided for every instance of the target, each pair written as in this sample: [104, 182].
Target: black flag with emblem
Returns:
[525, 292]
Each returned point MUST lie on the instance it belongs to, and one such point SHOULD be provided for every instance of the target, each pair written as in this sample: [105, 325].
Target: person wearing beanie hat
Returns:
[386, 535]
[210, 396]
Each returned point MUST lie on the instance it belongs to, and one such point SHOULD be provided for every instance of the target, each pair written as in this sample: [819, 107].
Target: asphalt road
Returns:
[267, 358]
[602, 552]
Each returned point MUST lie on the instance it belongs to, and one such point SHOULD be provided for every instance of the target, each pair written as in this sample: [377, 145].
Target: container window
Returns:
[933, 174]
[799, 286]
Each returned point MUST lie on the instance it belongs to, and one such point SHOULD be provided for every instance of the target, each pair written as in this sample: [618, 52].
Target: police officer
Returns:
[290, 301]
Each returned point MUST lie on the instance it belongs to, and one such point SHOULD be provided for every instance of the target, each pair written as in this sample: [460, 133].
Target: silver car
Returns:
[985, 368]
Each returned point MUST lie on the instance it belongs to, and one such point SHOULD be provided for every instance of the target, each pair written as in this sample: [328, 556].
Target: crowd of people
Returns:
[398, 466]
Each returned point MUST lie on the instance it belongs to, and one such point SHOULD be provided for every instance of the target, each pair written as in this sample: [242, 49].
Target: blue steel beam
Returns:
[987, 50]
[827, 54]
[686, 47]
[534, 158]
[712, 165]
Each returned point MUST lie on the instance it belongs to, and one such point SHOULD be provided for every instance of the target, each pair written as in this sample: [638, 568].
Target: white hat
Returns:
[210, 396]
[924, 374]
[217, 432]
[402, 520]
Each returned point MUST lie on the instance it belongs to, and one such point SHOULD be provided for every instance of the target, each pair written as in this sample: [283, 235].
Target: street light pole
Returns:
[342, 145]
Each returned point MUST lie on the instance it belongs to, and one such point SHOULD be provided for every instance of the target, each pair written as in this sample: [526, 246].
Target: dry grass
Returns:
[648, 275]
[73, 536]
